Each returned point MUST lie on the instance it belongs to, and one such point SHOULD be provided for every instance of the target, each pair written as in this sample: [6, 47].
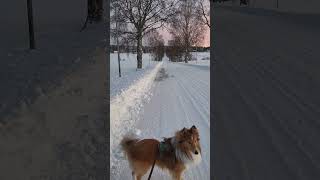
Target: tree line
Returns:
[141, 20]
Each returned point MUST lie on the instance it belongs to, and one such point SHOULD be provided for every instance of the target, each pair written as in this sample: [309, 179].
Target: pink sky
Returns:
[206, 40]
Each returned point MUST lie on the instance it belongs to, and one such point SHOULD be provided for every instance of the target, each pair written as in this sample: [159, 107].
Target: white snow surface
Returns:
[200, 59]
[158, 104]
[129, 72]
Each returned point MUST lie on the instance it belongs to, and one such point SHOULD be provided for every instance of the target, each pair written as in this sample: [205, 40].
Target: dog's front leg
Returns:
[177, 176]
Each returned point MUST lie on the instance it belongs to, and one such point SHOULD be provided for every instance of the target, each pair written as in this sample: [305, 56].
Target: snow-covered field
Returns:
[155, 105]
[200, 59]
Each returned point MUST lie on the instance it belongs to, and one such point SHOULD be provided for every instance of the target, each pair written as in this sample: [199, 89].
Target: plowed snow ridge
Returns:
[124, 110]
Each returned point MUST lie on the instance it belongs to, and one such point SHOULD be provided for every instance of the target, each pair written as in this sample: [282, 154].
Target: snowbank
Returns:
[124, 110]
[129, 72]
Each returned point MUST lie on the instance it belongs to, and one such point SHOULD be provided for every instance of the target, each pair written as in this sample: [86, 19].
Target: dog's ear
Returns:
[184, 129]
[193, 127]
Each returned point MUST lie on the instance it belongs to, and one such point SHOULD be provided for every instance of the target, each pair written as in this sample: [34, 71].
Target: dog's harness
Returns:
[162, 147]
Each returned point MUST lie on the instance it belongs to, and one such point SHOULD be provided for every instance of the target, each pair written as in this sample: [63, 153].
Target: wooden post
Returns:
[30, 22]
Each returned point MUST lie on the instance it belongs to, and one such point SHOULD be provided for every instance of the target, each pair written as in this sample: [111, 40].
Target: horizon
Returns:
[166, 36]
[205, 42]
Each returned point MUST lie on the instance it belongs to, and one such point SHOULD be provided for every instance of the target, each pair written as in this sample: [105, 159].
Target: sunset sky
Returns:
[205, 43]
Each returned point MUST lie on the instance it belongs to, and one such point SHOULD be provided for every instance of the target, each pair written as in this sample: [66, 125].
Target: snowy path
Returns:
[266, 95]
[181, 99]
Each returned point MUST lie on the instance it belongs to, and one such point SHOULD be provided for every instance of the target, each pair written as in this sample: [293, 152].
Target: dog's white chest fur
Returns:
[196, 158]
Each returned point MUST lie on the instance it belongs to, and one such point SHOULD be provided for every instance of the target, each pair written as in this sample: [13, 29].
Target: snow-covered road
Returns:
[180, 98]
[266, 94]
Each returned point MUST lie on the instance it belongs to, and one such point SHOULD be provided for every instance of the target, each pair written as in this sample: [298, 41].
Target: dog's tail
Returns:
[128, 141]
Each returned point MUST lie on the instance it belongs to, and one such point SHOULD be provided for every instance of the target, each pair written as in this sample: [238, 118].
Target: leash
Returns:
[154, 162]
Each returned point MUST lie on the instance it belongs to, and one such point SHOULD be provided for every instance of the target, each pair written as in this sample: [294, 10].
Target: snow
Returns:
[292, 6]
[49, 17]
[124, 111]
[201, 59]
[267, 95]
[129, 72]
[165, 99]
[22, 71]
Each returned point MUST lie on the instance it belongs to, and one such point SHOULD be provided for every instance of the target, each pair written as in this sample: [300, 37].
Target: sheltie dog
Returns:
[175, 154]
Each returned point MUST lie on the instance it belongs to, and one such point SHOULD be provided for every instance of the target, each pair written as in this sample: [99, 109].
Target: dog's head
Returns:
[187, 143]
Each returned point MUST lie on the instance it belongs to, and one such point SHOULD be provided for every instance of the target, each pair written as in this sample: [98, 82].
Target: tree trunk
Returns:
[186, 57]
[139, 51]
[187, 52]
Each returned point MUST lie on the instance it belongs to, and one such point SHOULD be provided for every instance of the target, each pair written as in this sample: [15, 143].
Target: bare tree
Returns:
[204, 11]
[156, 42]
[143, 16]
[175, 50]
[187, 27]
[119, 31]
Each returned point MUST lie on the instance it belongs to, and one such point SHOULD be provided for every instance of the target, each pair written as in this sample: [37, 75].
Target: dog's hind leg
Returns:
[133, 175]
[136, 176]
[139, 177]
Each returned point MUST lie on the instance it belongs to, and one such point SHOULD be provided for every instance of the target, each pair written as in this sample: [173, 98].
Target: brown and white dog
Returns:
[174, 154]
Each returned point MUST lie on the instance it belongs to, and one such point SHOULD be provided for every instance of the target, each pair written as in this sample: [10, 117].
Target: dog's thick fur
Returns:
[182, 150]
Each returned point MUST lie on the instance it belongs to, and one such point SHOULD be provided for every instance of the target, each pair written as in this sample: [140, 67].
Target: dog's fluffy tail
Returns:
[128, 141]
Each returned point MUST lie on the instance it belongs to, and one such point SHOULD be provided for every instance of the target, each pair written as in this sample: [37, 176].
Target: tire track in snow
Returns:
[179, 109]
[192, 97]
